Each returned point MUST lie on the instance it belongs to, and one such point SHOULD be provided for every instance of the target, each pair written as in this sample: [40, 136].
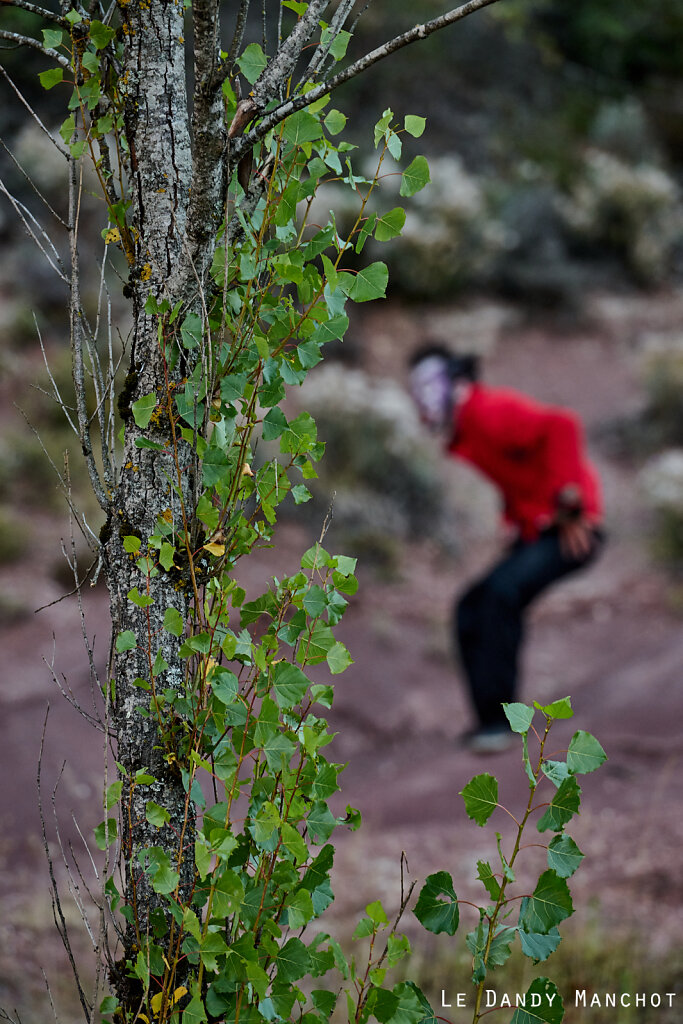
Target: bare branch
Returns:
[77, 337]
[358, 67]
[207, 192]
[31, 183]
[279, 69]
[237, 37]
[24, 102]
[336, 25]
[56, 395]
[47, 51]
[34, 9]
[26, 217]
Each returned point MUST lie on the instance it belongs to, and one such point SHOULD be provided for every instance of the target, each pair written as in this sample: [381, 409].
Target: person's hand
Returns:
[576, 538]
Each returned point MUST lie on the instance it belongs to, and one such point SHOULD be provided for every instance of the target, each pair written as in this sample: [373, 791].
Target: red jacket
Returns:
[530, 451]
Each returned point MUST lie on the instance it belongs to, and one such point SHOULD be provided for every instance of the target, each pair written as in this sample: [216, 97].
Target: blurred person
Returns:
[552, 507]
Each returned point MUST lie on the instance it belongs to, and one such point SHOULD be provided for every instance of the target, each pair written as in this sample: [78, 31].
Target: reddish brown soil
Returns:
[611, 638]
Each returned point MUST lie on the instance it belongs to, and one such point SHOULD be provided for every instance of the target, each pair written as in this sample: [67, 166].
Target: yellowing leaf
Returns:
[247, 470]
[113, 235]
[215, 549]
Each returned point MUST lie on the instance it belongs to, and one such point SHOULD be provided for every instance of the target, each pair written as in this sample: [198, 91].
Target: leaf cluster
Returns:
[533, 917]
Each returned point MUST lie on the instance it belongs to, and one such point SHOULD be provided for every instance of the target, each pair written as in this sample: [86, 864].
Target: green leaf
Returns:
[415, 176]
[499, 948]
[519, 716]
[156, 815]
[550, 903]
[225, 685]
[556, 771]
[585, 754]
[316, 558]
[143, 409]
[485, 875]
[338, 658]
[67, 129]
[563, 806]
[319, 645]
[126, 641]
[141, 600]
[410, 1009]
[363, 929]
[321, 822]
[539, 947]
[52, 37]
[274, 422]
[381, 1004]
[191, 331]
[48, 79]
[279, 751]
[481, 797]
[382, 125]
[166, 556]
[289, 684]
[543, 1004]
[101, 34]
[558, 709]
[335, 122]
[376, 912]
[389, 225]
[131, 545]
[564, 856]
[324, 1001]
[301, 494]
[173, 622]
[302, 127]
[293, 961]
[164, 878]
[252, 62]
[194, 1012]
[114, 794]
[414, 125]
[369, 283]
[339, 44]
[437, 906]
[109, 1004]
[106, 833]
[212, 946]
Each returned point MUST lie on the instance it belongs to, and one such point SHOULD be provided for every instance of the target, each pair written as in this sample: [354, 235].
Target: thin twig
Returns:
[32, 183]
[27, 105]
[25, 215]
[57, 911]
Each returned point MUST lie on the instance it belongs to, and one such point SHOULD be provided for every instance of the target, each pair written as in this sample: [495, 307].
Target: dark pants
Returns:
[489, 618]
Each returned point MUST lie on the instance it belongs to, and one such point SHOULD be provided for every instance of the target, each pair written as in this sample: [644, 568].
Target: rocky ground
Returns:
[611, 638]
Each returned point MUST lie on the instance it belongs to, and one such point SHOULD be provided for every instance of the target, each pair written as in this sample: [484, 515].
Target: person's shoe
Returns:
[490, 739]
